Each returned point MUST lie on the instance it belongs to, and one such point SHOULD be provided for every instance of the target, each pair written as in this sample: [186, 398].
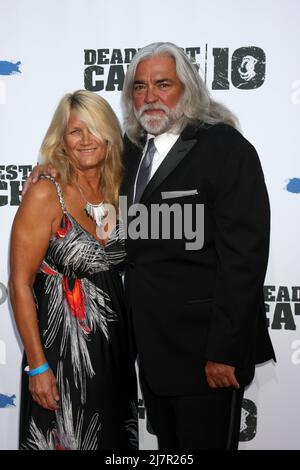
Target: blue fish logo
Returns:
[6, 401]
[293, 186]
[9, 68]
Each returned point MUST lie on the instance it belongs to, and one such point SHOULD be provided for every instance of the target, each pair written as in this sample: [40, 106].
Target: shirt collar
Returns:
[162, 141]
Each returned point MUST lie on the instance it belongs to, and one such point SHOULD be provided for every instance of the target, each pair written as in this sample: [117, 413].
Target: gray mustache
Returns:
[156, 107]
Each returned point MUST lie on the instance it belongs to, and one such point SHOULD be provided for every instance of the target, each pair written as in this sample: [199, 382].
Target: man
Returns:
[198, 315]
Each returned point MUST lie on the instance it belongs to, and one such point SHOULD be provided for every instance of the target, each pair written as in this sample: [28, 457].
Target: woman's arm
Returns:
[35, 221]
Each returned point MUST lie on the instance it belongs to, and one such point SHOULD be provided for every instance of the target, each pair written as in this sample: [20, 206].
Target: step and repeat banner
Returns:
[249, 58]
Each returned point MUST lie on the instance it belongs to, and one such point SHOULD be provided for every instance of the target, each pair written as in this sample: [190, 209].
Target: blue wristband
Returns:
[38, 370]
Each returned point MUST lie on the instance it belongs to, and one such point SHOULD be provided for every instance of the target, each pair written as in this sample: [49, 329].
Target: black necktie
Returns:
[145, 170]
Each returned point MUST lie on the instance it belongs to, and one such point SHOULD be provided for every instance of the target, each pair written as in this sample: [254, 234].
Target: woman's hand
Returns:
[37, 171]
[44, 391]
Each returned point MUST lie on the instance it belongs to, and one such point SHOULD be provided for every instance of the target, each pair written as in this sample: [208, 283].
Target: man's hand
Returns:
[220, 375]
[37, 171]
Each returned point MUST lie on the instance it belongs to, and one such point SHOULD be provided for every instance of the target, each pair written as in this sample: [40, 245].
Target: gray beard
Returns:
[159, 123]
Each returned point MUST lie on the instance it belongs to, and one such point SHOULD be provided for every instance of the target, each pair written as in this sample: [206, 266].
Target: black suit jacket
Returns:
[186, 306]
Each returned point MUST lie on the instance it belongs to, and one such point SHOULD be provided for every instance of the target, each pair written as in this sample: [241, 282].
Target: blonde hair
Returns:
[103, 123]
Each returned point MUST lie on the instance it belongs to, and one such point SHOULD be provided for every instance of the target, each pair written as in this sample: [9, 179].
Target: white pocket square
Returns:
[172, 194]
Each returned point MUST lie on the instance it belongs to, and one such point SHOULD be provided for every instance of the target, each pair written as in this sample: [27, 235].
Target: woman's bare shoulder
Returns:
[41, 197]
[43, 190]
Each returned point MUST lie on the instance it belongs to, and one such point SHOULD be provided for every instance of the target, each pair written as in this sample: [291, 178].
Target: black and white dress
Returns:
[84, 331]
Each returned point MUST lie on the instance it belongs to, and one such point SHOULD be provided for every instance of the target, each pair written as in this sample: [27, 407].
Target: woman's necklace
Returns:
[97, 212]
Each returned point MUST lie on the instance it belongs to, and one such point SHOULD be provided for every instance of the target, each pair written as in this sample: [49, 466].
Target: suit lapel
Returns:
[179, 150]
[174, 157]
[182, 146]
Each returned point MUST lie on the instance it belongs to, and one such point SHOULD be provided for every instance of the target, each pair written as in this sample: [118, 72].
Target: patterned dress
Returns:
[84, 331]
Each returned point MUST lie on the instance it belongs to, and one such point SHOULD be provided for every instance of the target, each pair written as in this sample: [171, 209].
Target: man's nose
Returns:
[151, 96]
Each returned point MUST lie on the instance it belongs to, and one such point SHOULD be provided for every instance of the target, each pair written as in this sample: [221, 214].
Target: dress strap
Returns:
[58, 190]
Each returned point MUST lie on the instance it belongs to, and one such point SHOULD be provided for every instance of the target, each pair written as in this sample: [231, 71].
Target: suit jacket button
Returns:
[131, 265]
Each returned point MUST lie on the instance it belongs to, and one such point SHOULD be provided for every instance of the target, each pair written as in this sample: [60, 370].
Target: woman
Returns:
[66, 289]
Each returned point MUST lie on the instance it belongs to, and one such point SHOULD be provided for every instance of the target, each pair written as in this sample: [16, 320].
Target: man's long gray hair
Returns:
[197, 102]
